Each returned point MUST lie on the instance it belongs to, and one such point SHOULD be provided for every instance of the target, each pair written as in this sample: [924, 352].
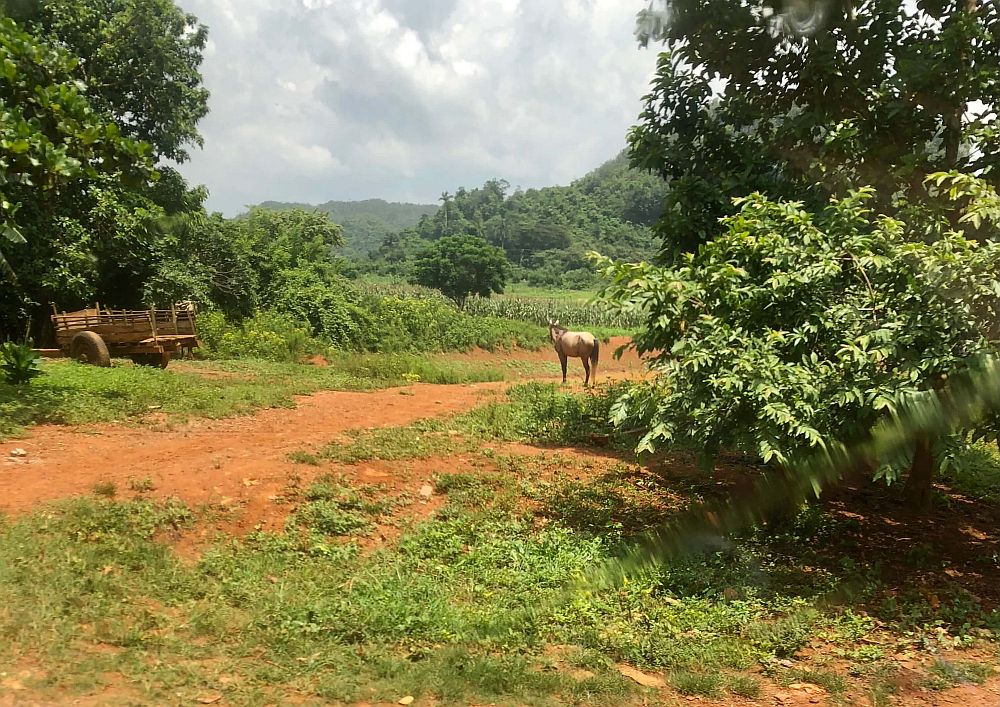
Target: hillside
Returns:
[546, 232]
[366, 223]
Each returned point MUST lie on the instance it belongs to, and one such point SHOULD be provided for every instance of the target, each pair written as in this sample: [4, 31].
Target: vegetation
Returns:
[855, 95]
[825, 305]
[72, 393]
[18, 363]
[366, 223]
[545, 233]
[792, 330]
[49, 137]
[460, 266]
[542, 309]
[787, 326]
[467, 605]
[162, 105]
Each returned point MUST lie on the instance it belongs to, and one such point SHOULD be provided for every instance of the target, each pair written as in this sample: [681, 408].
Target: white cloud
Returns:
[343, 99]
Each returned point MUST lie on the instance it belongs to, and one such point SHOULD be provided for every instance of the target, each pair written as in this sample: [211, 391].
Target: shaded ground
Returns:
[240, 469]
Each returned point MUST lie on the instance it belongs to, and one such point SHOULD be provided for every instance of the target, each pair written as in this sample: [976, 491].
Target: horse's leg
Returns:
[562, 362]
[586, 368]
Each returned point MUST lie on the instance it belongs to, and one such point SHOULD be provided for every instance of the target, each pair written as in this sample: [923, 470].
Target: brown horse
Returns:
[578, 344]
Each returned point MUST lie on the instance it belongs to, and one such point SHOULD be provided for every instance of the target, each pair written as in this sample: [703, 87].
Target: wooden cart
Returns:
[149, 337]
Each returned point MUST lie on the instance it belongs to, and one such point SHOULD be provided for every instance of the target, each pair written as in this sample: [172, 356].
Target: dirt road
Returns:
[236, 461]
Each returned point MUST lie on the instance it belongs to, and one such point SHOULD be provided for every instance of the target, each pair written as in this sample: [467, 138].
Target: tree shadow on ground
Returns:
[904, 566]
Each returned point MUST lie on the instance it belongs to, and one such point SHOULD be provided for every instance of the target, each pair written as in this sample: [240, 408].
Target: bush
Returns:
[791, 329]
[266, 335]
[18, 363]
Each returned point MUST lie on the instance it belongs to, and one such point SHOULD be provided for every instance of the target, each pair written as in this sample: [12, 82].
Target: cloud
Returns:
[346, 99]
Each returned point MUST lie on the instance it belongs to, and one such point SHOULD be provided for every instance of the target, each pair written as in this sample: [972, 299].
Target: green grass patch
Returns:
[467, 606]
[533, 412]
[944, 674]
[688, 682]
[744, 686]
[423, 439]
[828, 680]
[976, 472]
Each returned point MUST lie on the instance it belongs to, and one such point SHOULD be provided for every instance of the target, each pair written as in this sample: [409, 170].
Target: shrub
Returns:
[790, 328]
[18, 363]
[266, 335]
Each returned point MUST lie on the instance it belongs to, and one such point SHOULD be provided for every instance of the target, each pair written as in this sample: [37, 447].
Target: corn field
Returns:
[539, 311]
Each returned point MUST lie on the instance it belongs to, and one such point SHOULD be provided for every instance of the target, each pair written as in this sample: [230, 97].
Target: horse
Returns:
[578, 344]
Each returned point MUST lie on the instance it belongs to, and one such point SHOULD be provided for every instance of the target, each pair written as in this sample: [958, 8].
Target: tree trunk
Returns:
[918, 485]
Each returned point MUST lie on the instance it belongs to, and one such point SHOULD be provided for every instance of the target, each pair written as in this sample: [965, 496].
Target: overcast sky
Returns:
[315, 100]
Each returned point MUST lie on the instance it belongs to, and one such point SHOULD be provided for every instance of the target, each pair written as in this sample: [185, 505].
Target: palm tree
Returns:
[446, 201]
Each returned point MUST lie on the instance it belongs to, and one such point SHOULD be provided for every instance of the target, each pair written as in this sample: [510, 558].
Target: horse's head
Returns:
[555, 331]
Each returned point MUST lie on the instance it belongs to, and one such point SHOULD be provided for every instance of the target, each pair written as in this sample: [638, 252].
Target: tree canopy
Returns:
[460, 266]
[52, 140]
[751, 97]
[140, 60]
[545, 233]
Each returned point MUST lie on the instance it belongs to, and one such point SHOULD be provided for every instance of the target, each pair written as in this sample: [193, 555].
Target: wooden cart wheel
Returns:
[159, 360]
[89, 347]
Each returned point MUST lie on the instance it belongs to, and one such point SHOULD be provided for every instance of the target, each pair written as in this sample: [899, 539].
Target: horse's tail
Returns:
[595, 356]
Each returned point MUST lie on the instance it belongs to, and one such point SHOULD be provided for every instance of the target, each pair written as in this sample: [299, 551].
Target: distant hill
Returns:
[366, 223]
[546, 232]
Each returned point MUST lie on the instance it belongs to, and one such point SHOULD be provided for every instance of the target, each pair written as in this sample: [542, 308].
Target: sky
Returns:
[318, 100]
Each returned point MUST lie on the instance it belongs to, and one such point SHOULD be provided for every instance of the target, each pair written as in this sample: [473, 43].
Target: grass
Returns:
[540, 412]
[464, 607]
[947, 673]
[978, 474]
[72, 393]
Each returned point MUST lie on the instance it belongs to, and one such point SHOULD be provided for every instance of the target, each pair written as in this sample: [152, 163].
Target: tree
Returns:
[751, 96]
[277, 241]
[460, 266]
[53, 145]
[791, 329]
[141, 62]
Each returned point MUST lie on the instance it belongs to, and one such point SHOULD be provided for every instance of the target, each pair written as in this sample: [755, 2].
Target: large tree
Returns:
[140, 60]
[806, 99]
[54, 148]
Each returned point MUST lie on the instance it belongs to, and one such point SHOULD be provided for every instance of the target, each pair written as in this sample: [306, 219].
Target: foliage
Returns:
[792, 330]
[460, 266]
[276, 242]
[50, 135]
[18, 363]
[160, 105]
[203, 258]
[267, 336]
[803, 101]
[541, 412]
[366, 223]
[542, 311]
[960, 404]
[545, 233]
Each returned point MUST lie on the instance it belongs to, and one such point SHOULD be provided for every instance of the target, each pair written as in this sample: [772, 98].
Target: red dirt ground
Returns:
[241, 464]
